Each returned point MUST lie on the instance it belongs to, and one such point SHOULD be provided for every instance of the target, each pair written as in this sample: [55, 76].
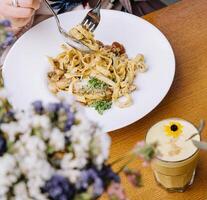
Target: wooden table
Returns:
[185, 25]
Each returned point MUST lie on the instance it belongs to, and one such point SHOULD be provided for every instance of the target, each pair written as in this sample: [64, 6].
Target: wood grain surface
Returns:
[185, 25]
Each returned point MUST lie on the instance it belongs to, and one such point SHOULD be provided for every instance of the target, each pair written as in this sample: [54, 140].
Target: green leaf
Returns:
[1, 80]
[9, 146]
[50, 150]
[37, 132]
[83, 196]
[113, 197]
[69, 148]
[134, 177]
[2, 34]
[147, 151]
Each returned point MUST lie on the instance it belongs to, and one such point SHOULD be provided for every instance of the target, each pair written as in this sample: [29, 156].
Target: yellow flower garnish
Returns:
[173, 129]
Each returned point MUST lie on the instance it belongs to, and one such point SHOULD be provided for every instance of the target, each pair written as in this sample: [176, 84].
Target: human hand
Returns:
[21, 15]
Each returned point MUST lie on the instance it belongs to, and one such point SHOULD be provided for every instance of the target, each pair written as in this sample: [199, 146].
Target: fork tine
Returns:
[93, 28]
[90, 24]
[92, 18]
[85, 21]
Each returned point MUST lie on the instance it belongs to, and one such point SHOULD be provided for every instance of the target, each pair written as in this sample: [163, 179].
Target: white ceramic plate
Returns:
[26, 65]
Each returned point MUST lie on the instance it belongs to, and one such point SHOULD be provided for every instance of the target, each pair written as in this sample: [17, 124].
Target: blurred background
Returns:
[137, 7]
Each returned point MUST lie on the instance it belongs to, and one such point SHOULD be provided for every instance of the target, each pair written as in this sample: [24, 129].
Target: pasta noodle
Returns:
[104, 75]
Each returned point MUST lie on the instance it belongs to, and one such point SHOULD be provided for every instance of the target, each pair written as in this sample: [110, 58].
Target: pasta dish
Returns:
[97, 79]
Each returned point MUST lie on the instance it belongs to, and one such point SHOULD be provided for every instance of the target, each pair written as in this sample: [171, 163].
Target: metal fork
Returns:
[93, 17]
[91, 21]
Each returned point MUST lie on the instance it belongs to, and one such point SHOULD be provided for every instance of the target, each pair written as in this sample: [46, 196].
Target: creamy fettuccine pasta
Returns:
[99, 78]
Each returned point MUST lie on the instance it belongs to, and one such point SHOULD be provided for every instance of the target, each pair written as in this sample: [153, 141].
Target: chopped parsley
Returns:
[101, 106]
[95, 83]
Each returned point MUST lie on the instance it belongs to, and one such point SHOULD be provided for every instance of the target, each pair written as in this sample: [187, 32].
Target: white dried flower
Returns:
[68, 162]
[3, 93]
[9, 173]
[100, 148]
[34, 144]
[72, 174]
[34, 167]
[20, 191]
[11, 130]
[57, 139]
[38, 150]
[41, 121]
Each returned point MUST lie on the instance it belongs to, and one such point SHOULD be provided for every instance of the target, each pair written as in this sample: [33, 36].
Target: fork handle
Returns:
[54, 14]
[98, 6]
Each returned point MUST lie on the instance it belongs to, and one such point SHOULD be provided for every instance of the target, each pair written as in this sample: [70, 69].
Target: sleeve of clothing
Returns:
[43, 13]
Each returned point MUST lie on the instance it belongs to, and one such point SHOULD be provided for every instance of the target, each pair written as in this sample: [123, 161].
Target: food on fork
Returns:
[84, 36]
[99, 78]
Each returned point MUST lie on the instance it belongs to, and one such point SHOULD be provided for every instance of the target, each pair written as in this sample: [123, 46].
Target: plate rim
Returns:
[155, 104]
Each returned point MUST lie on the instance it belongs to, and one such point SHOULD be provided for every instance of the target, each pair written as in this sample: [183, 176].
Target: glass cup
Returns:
[175, 166]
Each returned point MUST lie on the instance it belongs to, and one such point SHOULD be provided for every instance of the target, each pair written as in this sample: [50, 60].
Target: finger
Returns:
[20, 22]
[16, 12]
[35, 4]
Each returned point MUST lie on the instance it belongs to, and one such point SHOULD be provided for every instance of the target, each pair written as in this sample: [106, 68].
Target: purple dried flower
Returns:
[6, 37]
[98, 180]
[3, 145]
[38, 107]
[90, 178]
[108, 175]
[54, 107]
[61, 115]
[69, 122]
[59, 188]
[6, 113]
[5, 23]
[7, 117]
[8, 40]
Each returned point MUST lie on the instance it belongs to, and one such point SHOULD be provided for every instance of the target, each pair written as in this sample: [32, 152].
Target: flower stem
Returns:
[121, 158]
[133, 157]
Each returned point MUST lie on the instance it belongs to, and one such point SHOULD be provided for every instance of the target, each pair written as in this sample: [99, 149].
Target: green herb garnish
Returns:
[2, 34]
[101, 106]
[50, 150]
[95, 83]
